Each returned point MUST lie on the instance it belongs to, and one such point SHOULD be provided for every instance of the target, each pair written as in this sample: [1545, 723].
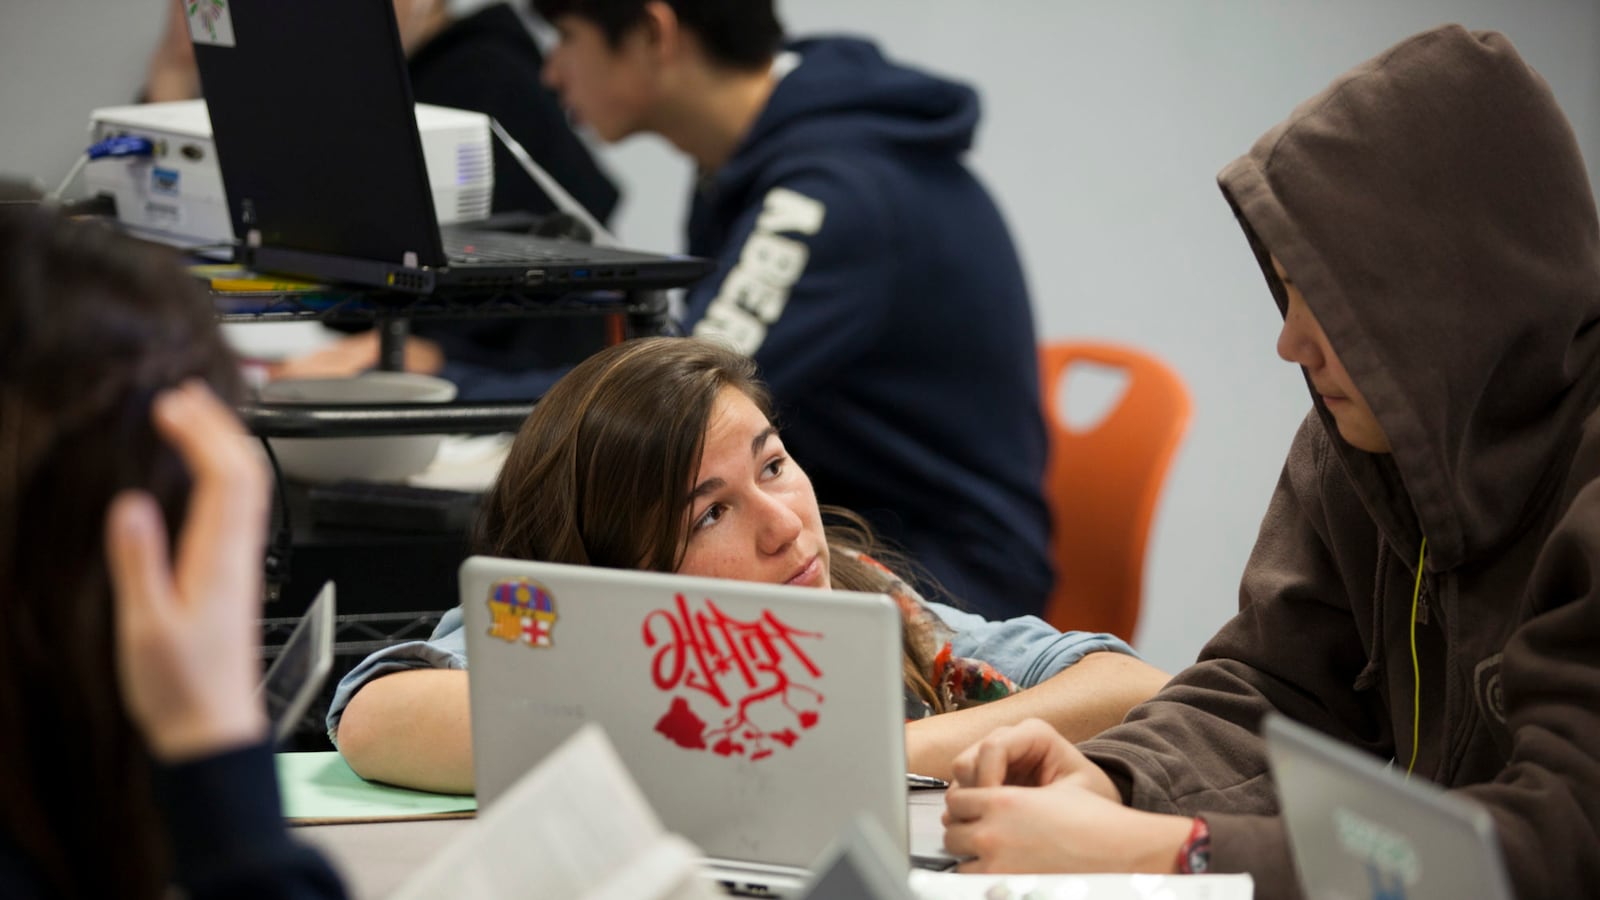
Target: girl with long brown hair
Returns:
[661, 454]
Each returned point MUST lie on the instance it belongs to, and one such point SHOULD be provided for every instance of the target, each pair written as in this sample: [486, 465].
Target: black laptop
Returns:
[316, 139]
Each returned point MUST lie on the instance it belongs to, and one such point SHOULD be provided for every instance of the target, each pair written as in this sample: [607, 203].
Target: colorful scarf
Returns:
[959, 681]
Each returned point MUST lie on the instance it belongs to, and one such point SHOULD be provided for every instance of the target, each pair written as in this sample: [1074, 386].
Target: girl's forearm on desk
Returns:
[411, 729]
[1081, 701]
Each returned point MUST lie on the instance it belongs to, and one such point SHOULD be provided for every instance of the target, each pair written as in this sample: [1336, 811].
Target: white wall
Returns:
[1106, 123]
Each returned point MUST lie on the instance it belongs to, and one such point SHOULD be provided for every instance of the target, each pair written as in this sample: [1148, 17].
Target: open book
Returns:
[575, 826]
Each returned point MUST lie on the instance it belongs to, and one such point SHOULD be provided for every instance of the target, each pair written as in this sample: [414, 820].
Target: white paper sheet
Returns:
[947, 886]
[574, 826]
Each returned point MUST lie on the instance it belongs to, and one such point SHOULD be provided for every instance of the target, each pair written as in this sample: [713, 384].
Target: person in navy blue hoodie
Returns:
[861, 264]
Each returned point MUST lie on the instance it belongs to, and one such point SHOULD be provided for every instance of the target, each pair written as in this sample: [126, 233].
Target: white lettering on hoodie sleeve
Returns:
[755, 292]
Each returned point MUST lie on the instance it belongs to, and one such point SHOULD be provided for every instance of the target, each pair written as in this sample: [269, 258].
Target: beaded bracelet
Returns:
[1194, 857]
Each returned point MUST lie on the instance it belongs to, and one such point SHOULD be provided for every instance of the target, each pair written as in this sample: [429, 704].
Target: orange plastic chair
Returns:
[1102, 484]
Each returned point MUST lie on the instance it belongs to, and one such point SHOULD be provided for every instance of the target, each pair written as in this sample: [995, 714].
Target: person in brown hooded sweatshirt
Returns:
[1428, 230]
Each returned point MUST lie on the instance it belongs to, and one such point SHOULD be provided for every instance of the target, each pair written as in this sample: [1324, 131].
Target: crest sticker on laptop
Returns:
[738, 688]
[523, 612]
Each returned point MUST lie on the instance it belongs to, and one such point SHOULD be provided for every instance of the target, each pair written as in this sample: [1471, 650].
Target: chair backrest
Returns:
[1102, 484]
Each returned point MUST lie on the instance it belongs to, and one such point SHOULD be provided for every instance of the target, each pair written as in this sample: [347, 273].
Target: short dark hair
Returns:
[740, 34]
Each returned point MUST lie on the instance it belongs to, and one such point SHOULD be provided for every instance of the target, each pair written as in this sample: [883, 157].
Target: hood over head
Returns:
[1434, 209]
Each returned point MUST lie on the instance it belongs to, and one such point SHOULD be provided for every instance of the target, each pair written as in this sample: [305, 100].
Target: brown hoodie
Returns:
[1433, 208]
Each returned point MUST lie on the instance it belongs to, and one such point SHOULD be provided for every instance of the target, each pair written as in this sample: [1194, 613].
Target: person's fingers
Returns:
[984, 763]
[341, 359]
[1013, 754]
[136, 556]
[1040, 755]
[993, 763]
[959, 843]
[963, 769]
[423, 355]
[968, 767]
[226, 520]
[964, 804]
[973, 819]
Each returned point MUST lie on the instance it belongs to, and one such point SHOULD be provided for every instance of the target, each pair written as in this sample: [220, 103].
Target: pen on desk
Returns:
[925, 782]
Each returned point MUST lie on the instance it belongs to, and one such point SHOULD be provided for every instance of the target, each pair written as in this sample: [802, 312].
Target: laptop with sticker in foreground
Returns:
[758, 720]
[1359, 829]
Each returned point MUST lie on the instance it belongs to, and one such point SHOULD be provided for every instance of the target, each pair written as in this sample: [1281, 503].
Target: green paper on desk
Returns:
[320, 788]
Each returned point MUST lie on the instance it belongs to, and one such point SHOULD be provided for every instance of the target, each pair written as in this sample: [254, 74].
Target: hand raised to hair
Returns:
[187, 632]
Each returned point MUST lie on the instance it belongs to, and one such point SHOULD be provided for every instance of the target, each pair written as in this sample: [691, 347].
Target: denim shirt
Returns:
[1026, 650]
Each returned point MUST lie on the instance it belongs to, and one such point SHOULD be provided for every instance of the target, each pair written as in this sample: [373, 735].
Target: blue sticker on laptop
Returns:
[523, 612]
[737, 687]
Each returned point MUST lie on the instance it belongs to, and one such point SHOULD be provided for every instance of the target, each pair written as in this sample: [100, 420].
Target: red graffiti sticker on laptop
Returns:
[739, 688]
[523, 612]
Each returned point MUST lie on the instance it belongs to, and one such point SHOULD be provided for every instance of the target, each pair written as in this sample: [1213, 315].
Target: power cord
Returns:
[563, 201]
[572, 220]
[276, 564]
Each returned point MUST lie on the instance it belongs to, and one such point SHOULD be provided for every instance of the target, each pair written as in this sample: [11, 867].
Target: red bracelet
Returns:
[1194, 857]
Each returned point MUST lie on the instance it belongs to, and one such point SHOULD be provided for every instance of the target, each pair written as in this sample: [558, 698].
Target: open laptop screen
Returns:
[1359, 829]
[315, 129]
[759, 720]
[301, 668]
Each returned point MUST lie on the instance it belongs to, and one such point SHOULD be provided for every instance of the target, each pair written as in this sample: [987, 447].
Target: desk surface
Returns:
[376, 858]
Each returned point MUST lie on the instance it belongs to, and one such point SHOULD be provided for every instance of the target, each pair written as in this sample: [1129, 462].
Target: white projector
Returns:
[176, 194]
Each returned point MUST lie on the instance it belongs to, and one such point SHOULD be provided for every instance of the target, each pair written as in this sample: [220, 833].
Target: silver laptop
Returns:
[758, 720]
[300, 668]
[1361, 830]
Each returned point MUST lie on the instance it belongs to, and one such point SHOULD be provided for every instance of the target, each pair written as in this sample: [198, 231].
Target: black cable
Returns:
[280, 547]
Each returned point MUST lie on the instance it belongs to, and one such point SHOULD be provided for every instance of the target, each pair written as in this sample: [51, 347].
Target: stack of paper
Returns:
[320, 789]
